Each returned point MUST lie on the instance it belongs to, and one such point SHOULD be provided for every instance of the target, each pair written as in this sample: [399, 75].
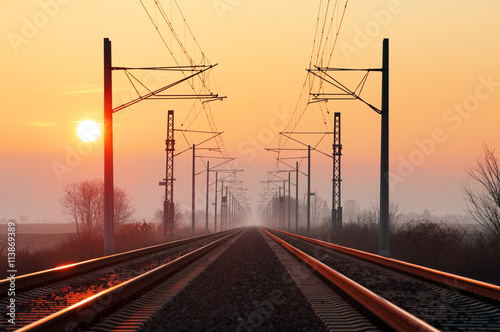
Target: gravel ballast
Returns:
[245, 289]
[443, 307]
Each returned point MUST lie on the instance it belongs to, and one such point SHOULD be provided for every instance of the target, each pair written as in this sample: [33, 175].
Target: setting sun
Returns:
[88, 130]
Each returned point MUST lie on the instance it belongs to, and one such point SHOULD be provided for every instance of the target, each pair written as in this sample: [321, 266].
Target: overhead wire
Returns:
[206, 79]
[328, 22]
[160, 9]
[320, 38]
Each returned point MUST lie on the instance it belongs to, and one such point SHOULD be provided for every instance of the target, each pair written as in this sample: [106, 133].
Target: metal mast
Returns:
[224, 209]
[215, 209]
[345, 93]
[169, 209]
[296, 197]
[336, 202]
[206, 200]
[193, 201]
[308, 190]
[108, 126]
[384, 155]
[108, 152]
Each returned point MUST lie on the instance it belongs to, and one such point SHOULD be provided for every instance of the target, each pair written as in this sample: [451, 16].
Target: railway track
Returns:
[42, 294]
[252, 279]
[260, 293]
[441, 300]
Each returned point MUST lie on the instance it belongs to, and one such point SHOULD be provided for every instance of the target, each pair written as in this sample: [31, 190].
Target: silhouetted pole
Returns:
[169, 209]
[228, 211]
[233, 215]
[336, 180]
[221, 206]
[206, 206]
[289, 194]
[215, 210]
[193, 195]
[108, 152]
[279, 208]
[284, 210]
[384, 155]
[276, 210]
[225, 213]
[270, 213]
[296, 197]
[308, 190]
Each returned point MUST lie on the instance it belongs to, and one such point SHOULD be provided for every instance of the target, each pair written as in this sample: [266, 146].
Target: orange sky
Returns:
[444, 96]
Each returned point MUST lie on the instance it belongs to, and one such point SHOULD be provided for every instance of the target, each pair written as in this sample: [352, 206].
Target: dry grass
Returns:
[35, 252]
[35, 242]
[447, 247]
[461, 249]
[71, 248]
[41, 228]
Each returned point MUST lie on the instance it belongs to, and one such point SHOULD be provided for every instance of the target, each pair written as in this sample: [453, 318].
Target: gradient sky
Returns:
[444, 96]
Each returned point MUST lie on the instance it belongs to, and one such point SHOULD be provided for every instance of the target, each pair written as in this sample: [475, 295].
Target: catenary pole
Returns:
[193, 212]
[215, 210]
[384, 155]
[206, 203]
[289, 194]
[296, 197]
[108, 152]
[308, 190]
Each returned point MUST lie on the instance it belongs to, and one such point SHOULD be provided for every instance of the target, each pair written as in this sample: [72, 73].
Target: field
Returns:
[40, 228]
[34, 242]
[453, 248]
[37, 236]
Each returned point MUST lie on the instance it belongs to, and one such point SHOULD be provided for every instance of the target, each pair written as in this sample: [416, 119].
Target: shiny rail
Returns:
[466, 284]
[85, 311]
[387, 312]
[36, 278]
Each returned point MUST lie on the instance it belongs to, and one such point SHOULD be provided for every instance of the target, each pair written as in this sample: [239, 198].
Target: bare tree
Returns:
[350, 210]
[319, 209]
[158, 216]
[483, 194]
[83, 204]
[371, 216]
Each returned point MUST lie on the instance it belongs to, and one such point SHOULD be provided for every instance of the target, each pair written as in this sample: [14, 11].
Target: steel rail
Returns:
[85, 311]
[39, 277]
[392, 315]
[466, 284]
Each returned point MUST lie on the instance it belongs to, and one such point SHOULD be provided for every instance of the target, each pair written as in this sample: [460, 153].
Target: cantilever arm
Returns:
[156, 92]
